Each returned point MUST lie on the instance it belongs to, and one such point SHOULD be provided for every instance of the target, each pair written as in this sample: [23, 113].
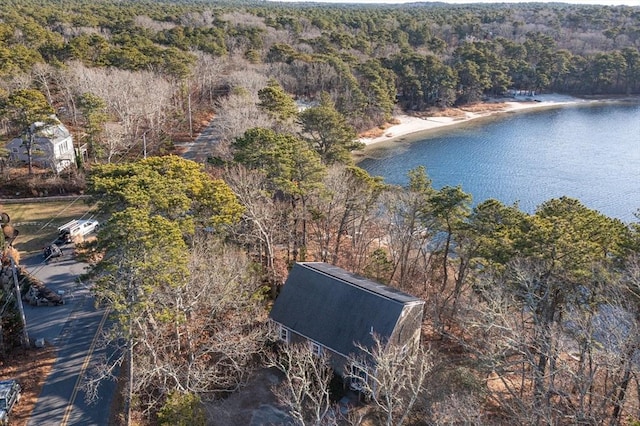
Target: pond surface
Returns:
[591, 153]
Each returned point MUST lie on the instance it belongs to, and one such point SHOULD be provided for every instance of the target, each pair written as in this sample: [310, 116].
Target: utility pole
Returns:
[144, 143]
[6, 239]
[190, 119]
[129, 398]
[2, 349]
[25, 333]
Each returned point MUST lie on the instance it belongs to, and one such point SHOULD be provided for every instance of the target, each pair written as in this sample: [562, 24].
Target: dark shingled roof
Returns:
[337, 308]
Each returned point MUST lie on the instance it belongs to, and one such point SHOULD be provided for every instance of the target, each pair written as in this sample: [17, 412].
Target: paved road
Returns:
[202, 145]
[74, 329]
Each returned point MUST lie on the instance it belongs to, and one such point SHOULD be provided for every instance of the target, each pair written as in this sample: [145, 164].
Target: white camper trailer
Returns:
[76, 228]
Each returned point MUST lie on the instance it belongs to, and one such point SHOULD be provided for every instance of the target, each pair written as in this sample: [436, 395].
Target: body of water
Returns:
[591, 153]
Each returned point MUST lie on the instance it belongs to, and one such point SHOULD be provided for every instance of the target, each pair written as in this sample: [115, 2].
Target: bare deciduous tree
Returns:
[42, 74]
[304, 390]
[207, 76]
[146, 22]
[409, 230]
[395, 379]
[244, 76]
[237, 114]
[263, 218]
[139, 101]
[578, 365]
[201, 336]
[115, 141]
[458, 409]
[342, 217]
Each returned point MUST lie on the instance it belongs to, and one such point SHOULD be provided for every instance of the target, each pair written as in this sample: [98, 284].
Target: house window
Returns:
[283, 334]
[358, 376]
[316, 349]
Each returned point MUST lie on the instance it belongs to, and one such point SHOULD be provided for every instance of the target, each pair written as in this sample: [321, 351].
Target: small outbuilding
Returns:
[52, 147]
[334, 310]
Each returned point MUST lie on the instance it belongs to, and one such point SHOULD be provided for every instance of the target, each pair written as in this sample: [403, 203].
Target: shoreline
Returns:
[414, 126]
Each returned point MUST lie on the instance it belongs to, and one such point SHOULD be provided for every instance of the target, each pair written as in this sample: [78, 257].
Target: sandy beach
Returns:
[410, 124]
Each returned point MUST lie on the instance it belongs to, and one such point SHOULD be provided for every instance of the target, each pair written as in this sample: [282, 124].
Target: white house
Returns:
[52, 147]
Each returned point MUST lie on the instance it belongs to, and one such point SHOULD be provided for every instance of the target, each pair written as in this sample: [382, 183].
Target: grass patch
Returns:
[38, 222]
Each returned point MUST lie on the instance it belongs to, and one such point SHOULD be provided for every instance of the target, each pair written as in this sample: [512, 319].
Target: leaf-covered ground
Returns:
[30, 368]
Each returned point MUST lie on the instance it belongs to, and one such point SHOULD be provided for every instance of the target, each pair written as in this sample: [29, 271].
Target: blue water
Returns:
[591, 153]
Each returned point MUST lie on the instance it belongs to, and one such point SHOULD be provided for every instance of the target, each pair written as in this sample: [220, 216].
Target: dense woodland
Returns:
[530, 318]
[153, 66]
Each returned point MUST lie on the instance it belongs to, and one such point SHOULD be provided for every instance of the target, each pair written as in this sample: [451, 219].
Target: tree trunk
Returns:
[29, 143]
[341, 230]
[445, 259]
[618, 402]
[619, 399]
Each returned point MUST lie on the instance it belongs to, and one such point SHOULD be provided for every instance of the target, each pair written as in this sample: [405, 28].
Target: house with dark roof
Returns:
[334, 311]
[52, 146]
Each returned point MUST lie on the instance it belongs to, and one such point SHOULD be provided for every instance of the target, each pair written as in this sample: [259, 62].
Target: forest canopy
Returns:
[136, 77]
[368, 57]
[131, 76]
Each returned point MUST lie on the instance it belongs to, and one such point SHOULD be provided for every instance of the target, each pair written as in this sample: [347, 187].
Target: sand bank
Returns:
[409, 124]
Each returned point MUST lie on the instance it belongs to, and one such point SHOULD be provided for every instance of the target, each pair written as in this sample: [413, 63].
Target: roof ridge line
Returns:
[368, 290]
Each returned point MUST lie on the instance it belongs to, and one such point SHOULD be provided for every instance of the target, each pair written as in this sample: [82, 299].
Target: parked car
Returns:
[51, 252]
[9, 396]
[76, 228]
